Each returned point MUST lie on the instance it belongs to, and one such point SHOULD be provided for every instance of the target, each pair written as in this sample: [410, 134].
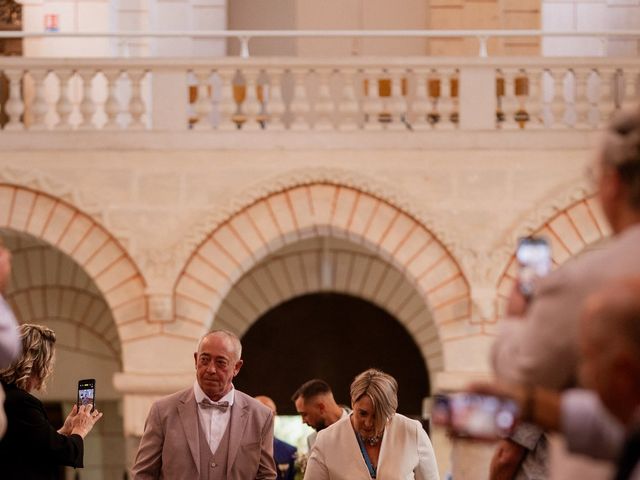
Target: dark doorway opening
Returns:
[334, 337]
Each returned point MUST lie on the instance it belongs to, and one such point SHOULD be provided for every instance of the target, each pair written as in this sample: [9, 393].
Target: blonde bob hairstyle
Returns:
[382, 389]
[32, 369]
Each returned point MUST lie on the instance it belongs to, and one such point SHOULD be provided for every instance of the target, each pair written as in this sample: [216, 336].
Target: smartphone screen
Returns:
[476, 416]
[87, 392]
[534, 260]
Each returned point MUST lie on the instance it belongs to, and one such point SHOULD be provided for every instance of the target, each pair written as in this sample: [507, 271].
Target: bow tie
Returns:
[206, 403]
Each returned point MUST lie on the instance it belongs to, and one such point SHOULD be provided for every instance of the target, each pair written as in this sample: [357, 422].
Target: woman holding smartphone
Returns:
[32, 449]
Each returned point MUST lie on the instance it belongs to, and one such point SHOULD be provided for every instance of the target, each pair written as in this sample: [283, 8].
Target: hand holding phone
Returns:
[87, 393]
[534, 261]
[473, 415]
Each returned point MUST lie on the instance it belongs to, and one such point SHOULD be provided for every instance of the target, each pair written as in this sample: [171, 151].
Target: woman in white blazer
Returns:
[374, 441]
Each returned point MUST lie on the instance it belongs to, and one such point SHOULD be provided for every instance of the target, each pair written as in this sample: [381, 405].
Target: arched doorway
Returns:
[331, 336]
[49, 288]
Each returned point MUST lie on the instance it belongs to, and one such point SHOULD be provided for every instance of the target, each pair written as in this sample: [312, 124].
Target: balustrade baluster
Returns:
[606, 103]
[227, 105]
[398, 103]
[558, 103]
[419, 102]
[38, 107]
[349, 113]
[204, 105]
[136, 104]
[594, 98]
[581, 104]
[448, 109]
[64, 106]
[631, 88]
[251, 105]
[324, 105]
[300, 109]
[275, 102]
[535, 99]
[111, 105]
[87, 107]
[373, 107]
[510, 99]
[14, 106]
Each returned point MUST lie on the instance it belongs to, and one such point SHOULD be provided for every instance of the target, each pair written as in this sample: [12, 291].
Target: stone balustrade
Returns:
[293, 94]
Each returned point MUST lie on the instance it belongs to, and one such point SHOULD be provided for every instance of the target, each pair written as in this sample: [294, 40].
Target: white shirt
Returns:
[213, 421]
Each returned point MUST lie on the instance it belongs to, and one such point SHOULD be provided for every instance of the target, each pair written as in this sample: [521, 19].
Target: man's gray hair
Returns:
[621, 150]
[231, 337]
[382, 389]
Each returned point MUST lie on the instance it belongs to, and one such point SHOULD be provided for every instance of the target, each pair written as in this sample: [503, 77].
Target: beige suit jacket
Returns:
[541, 349]
[170, 448]
[405, 453]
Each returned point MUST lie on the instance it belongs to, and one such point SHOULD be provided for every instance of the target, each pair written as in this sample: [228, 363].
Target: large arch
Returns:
[332, 265]
[569, 230]
[323, 209]
[65, 227]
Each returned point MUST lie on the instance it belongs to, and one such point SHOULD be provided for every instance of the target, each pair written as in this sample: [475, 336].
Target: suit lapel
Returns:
[237, 425]
[188, 411]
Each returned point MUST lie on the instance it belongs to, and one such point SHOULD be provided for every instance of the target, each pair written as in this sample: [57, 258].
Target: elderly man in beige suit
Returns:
[539, 343]
[209, 431]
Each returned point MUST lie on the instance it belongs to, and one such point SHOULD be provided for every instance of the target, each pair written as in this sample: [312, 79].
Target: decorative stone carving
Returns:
[160, 307]
[430, 220]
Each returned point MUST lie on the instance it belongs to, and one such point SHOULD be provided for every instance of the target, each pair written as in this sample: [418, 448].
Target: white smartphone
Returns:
[534, 261]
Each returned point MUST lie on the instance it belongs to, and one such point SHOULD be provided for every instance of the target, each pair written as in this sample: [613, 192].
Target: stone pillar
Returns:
[139, 391]
[477, 111]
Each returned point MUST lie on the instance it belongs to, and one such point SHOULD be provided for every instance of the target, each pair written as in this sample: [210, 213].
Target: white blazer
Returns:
[405, 453]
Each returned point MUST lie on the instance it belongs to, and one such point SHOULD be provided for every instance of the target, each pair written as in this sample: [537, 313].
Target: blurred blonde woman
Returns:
[374, 441]
[32, 449]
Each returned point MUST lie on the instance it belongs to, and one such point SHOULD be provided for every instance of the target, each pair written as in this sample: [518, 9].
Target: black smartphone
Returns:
[474, 415]
[87, 392]
[534, 261]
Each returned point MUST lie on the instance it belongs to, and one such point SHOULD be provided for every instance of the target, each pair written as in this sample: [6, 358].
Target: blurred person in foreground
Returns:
[315, 403]
[609, 351]
[284, 455]
[374, 441]
[538, 344]
[32, 449]
[9, 338]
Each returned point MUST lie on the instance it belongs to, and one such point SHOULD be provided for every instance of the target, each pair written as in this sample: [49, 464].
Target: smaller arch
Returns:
[326, 208]
[65, 227]
[569, 230]
[313, 267]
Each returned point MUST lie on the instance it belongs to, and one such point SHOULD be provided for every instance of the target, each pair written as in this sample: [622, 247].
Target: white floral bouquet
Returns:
[300, 464]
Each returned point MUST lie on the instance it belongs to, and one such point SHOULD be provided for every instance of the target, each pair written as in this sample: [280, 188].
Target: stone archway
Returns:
[65, 227]
[298, 212]
[338, 266]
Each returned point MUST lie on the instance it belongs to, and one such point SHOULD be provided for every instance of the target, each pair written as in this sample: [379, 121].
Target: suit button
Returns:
[213, 464]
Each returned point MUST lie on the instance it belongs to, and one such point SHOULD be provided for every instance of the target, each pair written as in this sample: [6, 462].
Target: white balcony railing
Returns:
[275, 94]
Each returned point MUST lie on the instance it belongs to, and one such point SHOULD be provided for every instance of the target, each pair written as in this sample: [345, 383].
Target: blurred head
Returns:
[267, 402]
[610, 346]
[313, 401]
[617, 171]
[217, 361]
[33, 368]
[374, 399]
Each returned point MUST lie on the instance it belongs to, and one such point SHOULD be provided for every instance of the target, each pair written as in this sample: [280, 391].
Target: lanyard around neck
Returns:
[367, 460]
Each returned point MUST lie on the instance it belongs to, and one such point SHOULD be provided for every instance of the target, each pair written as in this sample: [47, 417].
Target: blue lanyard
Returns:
[367, 460]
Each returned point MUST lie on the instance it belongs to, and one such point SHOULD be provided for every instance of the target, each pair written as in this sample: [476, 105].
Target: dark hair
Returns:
[311, 389]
